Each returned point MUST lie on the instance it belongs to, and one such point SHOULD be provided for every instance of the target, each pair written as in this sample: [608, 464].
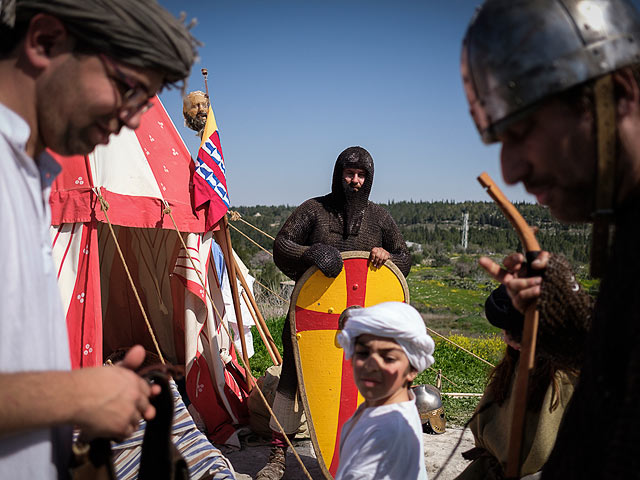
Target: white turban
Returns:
[396, 320]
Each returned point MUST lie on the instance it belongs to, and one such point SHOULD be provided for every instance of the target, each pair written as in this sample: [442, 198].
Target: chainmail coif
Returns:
[322, 227]
[353, 204]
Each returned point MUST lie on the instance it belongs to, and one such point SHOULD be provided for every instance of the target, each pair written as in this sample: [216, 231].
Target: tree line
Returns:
[434, 230]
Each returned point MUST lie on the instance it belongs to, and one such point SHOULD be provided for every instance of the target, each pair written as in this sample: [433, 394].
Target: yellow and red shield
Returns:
[325, 378]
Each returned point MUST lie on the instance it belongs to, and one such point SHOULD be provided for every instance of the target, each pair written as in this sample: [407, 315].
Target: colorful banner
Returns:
[210, 182]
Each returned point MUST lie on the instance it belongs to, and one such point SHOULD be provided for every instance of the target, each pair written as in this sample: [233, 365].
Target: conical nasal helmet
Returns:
[519, 52]
[429, 405]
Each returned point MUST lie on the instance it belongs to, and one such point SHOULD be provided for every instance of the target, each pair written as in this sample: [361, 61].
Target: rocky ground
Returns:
[254, 454]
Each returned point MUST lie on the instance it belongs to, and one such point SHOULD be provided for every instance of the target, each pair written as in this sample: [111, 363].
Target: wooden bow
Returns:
[530, 329]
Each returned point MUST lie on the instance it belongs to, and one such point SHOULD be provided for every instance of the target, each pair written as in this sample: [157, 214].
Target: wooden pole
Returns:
[263, 324]
[529, 333]
[259, 328]
[205, 74]
[227, 251]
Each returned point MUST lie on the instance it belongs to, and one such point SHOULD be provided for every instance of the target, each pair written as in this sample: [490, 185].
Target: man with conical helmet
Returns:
[556, 83]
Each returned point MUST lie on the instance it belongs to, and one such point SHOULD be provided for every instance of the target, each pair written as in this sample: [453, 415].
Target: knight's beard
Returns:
[351, 195]
[196, 123]
[347, 188]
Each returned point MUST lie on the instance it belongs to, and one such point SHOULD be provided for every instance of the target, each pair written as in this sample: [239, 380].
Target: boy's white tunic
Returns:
[383, 443]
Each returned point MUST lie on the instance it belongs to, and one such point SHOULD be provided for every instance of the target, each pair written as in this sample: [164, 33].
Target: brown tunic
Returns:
[491, 427]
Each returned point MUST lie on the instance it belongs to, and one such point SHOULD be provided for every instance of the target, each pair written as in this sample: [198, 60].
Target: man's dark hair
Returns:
[140, 33]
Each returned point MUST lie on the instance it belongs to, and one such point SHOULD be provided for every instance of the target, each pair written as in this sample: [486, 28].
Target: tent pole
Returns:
[228, 257]
[231, 269]
[263, 324]
[259, 327]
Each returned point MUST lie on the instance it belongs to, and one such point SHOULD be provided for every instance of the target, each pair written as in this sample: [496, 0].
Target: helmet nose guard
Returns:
[517, 53]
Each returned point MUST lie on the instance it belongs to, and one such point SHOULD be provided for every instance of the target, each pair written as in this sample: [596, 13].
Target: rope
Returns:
[255, 385]
[461, 347]
[167, 210]
[250, 239]
[252, 381]
[267, 288]
[105, 207]
[235, 216]
[461, 395]
[429, 329]
[450, 381]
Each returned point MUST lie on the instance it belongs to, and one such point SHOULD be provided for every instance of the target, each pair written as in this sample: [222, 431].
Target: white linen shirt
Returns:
[384, 443]
[33, 333]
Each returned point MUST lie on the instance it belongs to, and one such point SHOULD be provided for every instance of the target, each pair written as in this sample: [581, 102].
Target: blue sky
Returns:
[293, 83]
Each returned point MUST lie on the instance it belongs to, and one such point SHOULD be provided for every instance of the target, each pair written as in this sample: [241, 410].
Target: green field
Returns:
[450, 301]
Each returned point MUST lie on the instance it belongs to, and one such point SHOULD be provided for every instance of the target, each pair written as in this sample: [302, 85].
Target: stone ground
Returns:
[252, 457]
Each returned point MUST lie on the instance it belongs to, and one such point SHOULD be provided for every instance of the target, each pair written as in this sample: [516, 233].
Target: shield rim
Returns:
[296, 353]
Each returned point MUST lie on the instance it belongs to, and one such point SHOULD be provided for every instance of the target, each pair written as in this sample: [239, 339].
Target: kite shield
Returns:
[325, 378]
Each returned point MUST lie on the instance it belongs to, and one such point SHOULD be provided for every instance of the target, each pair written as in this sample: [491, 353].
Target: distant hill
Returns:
[433, 231]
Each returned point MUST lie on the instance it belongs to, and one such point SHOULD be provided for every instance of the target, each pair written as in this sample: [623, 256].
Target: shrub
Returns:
[261, 360]
[440, 260]
[416, 258]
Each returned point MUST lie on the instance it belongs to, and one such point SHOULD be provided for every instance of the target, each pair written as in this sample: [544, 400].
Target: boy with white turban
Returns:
[389, 346]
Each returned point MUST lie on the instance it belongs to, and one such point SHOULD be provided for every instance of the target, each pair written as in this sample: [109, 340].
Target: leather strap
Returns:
[606, 138]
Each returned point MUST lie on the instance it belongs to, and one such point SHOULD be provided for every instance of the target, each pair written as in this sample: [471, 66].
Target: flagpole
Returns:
[205, 74]
[231, 269]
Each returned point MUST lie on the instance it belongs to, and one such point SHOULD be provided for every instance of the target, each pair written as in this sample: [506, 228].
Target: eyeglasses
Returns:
[135, 96]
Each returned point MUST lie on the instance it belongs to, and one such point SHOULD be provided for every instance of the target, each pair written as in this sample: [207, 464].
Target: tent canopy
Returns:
[136, 173]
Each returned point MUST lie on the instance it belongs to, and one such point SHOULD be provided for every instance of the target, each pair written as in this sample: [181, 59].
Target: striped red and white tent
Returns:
[141, 175]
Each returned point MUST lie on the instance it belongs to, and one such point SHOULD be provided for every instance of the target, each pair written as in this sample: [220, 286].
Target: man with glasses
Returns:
[72, 72]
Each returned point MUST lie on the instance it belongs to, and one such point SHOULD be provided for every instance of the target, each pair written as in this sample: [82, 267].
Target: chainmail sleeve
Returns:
[289, 246]
[392, 240]
[565, 315]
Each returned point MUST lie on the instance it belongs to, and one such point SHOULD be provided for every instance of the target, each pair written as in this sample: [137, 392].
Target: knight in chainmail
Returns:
[72, 72]
[315, 234]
